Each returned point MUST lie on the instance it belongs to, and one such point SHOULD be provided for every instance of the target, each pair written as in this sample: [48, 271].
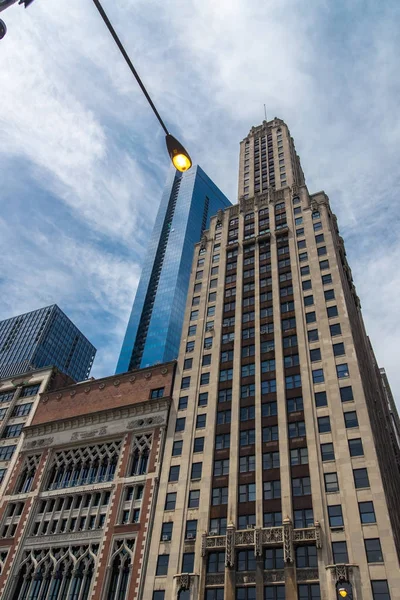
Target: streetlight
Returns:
[178, 155]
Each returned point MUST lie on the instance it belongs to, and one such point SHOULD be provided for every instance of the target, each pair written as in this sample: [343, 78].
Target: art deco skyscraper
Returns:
[279, 479]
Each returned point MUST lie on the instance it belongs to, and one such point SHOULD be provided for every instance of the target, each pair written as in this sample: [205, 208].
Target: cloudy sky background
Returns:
[82, 157]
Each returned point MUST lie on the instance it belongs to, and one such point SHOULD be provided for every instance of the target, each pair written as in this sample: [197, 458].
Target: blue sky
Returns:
[83, 162]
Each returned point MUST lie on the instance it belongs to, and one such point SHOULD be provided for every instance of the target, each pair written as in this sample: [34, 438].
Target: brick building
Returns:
[78, 506]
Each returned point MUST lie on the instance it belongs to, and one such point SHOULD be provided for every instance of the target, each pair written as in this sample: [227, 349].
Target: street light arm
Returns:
[129, 62]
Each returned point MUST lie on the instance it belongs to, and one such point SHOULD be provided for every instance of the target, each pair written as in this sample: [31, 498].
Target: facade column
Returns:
[288, 556]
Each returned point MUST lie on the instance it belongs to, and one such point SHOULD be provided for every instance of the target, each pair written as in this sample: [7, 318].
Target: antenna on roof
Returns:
[265, 112]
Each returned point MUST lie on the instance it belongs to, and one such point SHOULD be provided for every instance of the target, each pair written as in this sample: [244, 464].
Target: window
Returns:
[245, 593]
[177, 448]
[246, 521]
[201, 421]
[309, 591]
[317, 226]
[308, 300]
[331, 482]
[190, 346]
[213, 283]
[324, 424]
[268, 387]
[158, 595]
[208, 343]
[327, 451]
[188, 557]
[174, 473]
[306, 284]
[180, 424]
[170, 501]
[339, 550]
[318, 376]
[221, 467]
[248, 437]
[30, 390]
[305, 270]
[326, 279]
[269, 409]
[373, 550]
[301, 486]
[297, 429]
[273, 519]
[162, 564]
[206, 361]
[290, 341]
[335, 515]
[350, 419]
[212, 296]
[166, 531]
[295, 404]
[288, 323]
[183, 402]
[342, 370]
[299, 456]
[197, 287]
[380, 589]
[320, 399]
[203, 399]
[367, 512]
[216, 563]
[196, 470]
[248, 370]
[247, 351]
[11, 431]
[222, 441]
[272, 489]
[157, 393]
[338, 349]
[218, 526]
[196, 301]
[219, 496]
[223, 416]
[211, 311]
[332, 311]
[194, 499]
[185, 383]
[293, 381]
[194, 315]
[247, 413]
[271, 460]
[274, 592]
[301, 244]
[303, 518]
[225, 395]
[335, 329]
[287, 306]
[356, 447]
[312, 335]
[198, 445]
[298, 221]
[300, 231]
[306, 556]
[247, 391]
[273, 558]
[210, 326]
[361, 479]
[324, 264]
[247, 492]
[315, 354]
[346, 394]
[227, 337]
[321, 251]
[21, 410]
[303, 256]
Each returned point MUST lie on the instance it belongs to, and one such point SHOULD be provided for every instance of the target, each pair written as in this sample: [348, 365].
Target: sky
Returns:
[83, 161]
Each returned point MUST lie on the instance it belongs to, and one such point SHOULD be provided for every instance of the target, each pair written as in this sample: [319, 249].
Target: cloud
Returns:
[82, 135]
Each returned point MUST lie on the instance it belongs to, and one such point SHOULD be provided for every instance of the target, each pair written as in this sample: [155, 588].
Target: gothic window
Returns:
[141, 451]
[3, 557]
[83, 466]
[120, 568]
[25, 480]
[63, 573]
[11, 519]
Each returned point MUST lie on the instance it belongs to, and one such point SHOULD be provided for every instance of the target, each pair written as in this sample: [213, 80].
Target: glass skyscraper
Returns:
[154, 329]
[41, 338]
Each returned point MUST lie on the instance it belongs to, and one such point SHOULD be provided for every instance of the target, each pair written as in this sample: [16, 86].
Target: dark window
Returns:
[308, 300]
[212, 296]
[194, 499]
[170, 501]
[320, 399]
[287, 306]
[291, 361]
[248, 351]
[204, 378]
[158, 595]
[198, 445]
[324, 424]
[311, 317]
[190, 534]
[309, 591]
[315, 354]
[216, 562]
[299, 456]
[246, 521]
[190, 346]
[318, 376]
[183, 402]
[219, 496]
[247, 413]
[174, 473]
[290, 341]
[273, 558]
[331, 482]
[380, 589]
[319, 238]
[203, 399]
[196, 470]
[221, 467]
[274, 592]
[367, 512]
[295, 404]
[187, 563]
[11, 431]
[194, 315]
[208, 342]
[157, 393]
[218, 526]
[162, 564]
[269, 409]
[324, 264]
[201, 421]
[346, 394]
[338, 349]
[306, 556]
[30, 390]
[356, 447]
[297, 429]
[21, 410]
[335, 329]
[247, 391]
[301, 486]
[305, 270]
[292, 381]
[350, 419]
[223, 416]
[226, 356]
[225, 395]
[342, 371]
[271, 460]
[180, 424]
[247, 437]
[222, 441]
[206, 360]
[177, 448]
[273, 519]
[247, 492]
[329, 294]
[332, 311]
[327, 451]
[269, 434]
[303, 518]
[339, 550]
[373, 550]
[306, 285]
[335, 515]
[326, 279]
[185, 383]
[246, 561]
[272, 489]
[166, 531]
[317, 226]
[247, 371]
[312, 335]
[301, 244]
[361, 479]
[321, 251]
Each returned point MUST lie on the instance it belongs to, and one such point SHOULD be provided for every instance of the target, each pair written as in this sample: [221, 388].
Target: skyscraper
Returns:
[154, 329]
[278, 479]
[42, 338]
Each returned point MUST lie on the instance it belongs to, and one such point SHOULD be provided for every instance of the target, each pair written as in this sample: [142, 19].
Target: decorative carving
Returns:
[47, 540]
[216, 541]
[274, 576]
[85, 435]
[117, 382]
[249, 577]
[273, 535]
[87, 389]
[132, 379]
[58, 397]
[304, 535]
[38, 443]
[318, 539]
[230, 546]
[295, 190]
[341, 573]
[72, 393]
[148, 375]
[45, 399]
[203, 544]
[145, 422]
[244, 538]
[307, 574]
[258, 542]
[164, 371]
[183, 581]
[287, 540]
[102, 386]
[215, 579]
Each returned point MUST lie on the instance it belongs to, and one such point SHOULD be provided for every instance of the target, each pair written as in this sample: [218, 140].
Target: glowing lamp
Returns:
[180, 158]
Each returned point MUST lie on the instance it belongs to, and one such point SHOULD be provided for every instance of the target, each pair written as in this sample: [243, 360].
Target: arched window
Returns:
[141, 452]
[121, 566]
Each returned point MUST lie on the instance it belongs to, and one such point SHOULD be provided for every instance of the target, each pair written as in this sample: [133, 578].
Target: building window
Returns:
[269, 409]
[158, 595]
[273, 519]
[317, 226]
[219, 496]
[380, 589]
[273, 558]
[218, 526]
[247, 413]
[248, 391]
[303, 256]
[327, 452]
[247, 371]
[223, 417]
[201, 421]
[194, 499]
[350, 419]
[295, 404]
[335, 515]
[274, 592]
[311, 317]
[222, 441]
[188, 557]
[30, 390]
[332, 311]
[324, 264]
[297, 429]
[174, 473]
[367, 512]
[291, 361]
[299, 456]
[246, 561]
[6, 452]
[11, 431]
[356, 447]
[306, 284]
[318, 376]
[221, 467]
[306, 556]
[246, 521]
[305, 270]
[324, 424]
[326, 279]
[293, 381]
[338, 349]
[315, 354]
[361, 479]
[289, 341]
[331, 482]
[166, 532]
[269, 434]
[342, 371]
[309, 591]
[247, 437]
[208, 343]
[303, 518]
[308, 300]
[170, 501]
[247, 492]
[272, 489]
[177, 448]
[183, 402]
[180, 424]
[270, 460]
[203, 399]
[225, 395]
[185, 383]
[373, 550]
[6, 396]
[320, 399]
[162, 564]
[346, 394]
[204, 378]
[196, 470]
[321, 251]
[339, 551]
[21, 410]
[301, 486]
[216, 562]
